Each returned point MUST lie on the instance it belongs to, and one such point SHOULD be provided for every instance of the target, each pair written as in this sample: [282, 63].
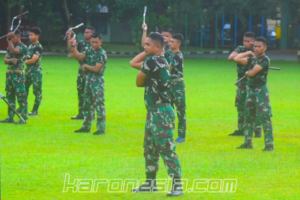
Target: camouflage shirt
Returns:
[260, 79]
[176, 61]
[93, 57]
[36, 49]
[168, 52]
[241, 69]
[81, 45]
[22, 57]
[158, 81]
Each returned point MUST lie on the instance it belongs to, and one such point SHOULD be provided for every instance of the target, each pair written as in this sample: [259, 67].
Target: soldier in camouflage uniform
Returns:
[15, 79]
[257, 100]
[33, 73]
[81, 77]
[177, 84]
[94, 84]
[241, 91]
[166, 33]
[155, 77]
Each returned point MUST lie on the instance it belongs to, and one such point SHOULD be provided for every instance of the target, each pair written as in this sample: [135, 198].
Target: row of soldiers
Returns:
[252, 94]
[161, 73]
[18, 82]
[91, 96]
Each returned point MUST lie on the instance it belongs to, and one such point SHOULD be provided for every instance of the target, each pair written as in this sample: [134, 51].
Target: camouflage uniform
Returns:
[241, 94]
[257, 101]
[15, 82]
[94, 89]
[168, 51]
[178, 91]
[33, 73]
[160, 117]
[81, 77]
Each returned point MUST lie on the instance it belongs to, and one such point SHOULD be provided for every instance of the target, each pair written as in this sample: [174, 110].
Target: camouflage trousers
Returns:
[15, 87]
[94, 98]
[159, 141]
[178, 98]
[81, 78]
[257, 102]
[33, 77]
[240, 101]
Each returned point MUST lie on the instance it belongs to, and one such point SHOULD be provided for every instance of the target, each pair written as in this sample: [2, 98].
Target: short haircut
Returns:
[169, 30]
[91, 28]
[97, 35]
[261, 39]
[179, 37]
[249, 35]
[157, 37]
[17, 32]
[35, 30]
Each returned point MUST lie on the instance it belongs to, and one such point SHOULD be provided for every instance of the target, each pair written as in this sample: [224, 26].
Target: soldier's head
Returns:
[89, 31]
[96, 41]
[167, 34]
[154, 44]
[260, 46]
[16, 37]
[248, 40]
[34, 34]
[176, 40]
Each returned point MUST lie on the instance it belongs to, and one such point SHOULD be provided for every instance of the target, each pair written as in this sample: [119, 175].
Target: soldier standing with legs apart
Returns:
[241, 91]
[177, 84]
[33, 72]
[81, 77]
[257, 100]
[15, 79]
[154, 75]
[94, 84]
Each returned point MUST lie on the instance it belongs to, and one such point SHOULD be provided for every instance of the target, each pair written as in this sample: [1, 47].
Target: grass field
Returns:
[36, 157]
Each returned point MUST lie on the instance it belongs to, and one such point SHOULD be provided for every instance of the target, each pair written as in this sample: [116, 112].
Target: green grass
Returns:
[36, 157]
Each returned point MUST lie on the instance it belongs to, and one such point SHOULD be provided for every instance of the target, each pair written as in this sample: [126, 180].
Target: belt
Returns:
[176, 80]
[156, 106]
[15, 71]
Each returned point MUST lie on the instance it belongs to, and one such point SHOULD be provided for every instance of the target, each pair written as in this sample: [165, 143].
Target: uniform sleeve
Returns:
[238, 49]
[264, 63]
[148, 65]
[84, 52]
[23, 49]
[175, 60]
[101, 59]
[38, 51]
[81, 46]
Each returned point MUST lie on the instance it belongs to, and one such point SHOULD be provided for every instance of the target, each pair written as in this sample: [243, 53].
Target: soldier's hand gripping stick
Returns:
[241, 79]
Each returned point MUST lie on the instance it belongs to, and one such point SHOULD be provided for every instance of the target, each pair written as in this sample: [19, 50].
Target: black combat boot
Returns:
[34, 110]
[83, 130]
[177, 189]
[237, 133]
[8, 121]
[246, 145]
[149, 185]
[79, 116]
[269, 147]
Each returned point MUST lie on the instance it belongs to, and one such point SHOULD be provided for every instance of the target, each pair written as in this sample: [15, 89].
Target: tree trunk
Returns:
[68, 17]
[8, 15]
